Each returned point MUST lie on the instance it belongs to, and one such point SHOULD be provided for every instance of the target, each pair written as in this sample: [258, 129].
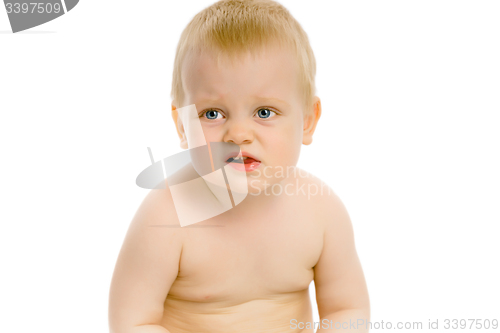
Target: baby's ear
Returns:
[310, 121]
[179, 127]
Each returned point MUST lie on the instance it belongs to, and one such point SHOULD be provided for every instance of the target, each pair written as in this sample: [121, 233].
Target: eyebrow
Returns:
[273, 99]
[214, 101]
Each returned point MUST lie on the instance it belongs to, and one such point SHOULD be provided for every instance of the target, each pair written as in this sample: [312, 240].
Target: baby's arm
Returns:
[146, 267]
[341, 291]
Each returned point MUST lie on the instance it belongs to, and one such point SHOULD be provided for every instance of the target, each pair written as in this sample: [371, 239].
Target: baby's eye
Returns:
[265, 113]
[212, 114]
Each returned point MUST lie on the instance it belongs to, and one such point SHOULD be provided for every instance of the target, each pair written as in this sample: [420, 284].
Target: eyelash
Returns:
[262, 108]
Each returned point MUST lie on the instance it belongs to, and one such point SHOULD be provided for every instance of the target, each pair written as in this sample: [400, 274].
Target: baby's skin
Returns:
[249, 268]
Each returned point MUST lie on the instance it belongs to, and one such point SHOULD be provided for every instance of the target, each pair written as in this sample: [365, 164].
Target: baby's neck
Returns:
[254, 203]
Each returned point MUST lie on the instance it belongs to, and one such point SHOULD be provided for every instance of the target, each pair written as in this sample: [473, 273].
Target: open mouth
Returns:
[243, 159]
[246, 162]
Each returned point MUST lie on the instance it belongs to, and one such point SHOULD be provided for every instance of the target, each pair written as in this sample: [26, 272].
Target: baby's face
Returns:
[255, 103]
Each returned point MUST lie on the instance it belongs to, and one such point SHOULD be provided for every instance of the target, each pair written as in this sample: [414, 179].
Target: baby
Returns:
[248, 68]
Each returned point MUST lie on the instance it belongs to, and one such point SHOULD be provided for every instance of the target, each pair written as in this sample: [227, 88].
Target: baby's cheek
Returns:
[287, 149]
[211, 134]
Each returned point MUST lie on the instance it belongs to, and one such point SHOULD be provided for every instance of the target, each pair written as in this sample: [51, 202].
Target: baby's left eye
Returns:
[265, 113]
[212, 114]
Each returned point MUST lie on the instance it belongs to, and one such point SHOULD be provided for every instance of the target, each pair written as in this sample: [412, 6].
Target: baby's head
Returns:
[249, 69]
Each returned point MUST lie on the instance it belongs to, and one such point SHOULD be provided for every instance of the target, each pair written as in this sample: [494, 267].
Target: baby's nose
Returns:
[238, 132]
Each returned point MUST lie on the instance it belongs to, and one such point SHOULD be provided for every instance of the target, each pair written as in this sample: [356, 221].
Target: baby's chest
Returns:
[221, 262]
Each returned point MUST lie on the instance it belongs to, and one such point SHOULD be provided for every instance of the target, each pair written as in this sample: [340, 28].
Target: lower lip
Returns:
[247, 167]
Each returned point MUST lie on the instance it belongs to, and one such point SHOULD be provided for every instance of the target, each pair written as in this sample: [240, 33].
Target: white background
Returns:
[408, 139]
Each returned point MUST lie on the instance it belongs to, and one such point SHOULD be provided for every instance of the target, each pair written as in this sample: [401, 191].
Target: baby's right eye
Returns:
[212, 114]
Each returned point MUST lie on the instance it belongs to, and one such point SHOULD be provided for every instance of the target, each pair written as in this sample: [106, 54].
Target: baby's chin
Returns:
[262, 186]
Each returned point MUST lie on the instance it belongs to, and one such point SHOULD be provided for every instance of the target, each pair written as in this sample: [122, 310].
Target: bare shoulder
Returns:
[147, 265]
[338, 275]
[156, 219]
[323, 200]
[157, 208]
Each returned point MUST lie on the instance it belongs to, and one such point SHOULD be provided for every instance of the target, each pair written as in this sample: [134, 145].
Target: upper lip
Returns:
[243, 153]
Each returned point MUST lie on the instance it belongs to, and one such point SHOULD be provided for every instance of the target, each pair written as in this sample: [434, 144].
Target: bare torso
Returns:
[247, 272]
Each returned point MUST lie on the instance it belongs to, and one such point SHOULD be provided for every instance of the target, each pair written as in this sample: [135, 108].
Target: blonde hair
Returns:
[232, 27]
